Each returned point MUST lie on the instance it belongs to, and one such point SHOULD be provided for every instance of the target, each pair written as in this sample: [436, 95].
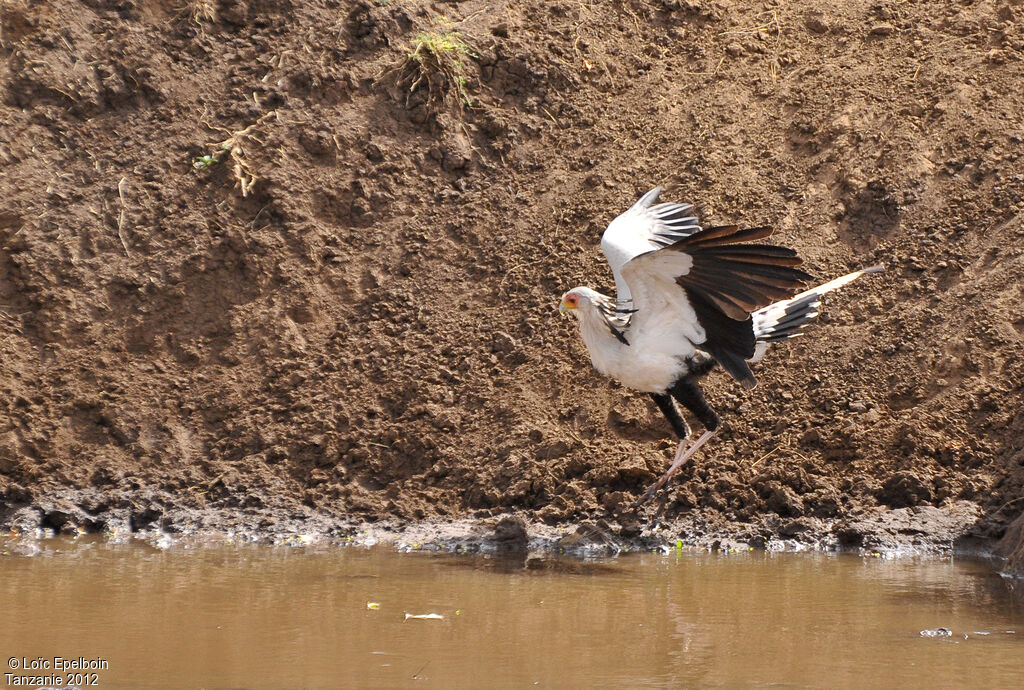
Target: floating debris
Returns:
[373, 605]
[424, 616]
[937, 632]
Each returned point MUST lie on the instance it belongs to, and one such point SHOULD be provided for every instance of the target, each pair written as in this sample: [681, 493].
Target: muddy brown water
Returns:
[315, 616]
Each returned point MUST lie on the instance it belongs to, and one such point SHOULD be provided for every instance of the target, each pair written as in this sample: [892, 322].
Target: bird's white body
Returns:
[658, 348]
[657, 353]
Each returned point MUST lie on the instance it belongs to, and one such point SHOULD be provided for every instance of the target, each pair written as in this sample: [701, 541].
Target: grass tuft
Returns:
[440, 60]
[200, 12]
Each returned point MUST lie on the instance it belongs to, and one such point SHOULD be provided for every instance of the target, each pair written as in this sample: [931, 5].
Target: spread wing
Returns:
[723, 279]
[645, 227]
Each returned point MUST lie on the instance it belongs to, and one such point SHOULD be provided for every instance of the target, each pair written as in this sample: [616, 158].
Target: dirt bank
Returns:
[347, 311]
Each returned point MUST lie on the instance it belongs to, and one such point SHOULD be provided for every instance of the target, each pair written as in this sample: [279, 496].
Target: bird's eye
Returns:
[571, 299]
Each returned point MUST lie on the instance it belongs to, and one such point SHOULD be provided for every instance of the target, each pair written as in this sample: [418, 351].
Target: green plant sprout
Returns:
[211, 159]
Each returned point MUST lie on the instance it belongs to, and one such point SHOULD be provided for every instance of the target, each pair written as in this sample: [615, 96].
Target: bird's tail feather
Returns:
[787, 318]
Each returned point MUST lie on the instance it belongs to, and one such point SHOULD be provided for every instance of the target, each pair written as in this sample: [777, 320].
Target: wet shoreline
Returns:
[886, 532]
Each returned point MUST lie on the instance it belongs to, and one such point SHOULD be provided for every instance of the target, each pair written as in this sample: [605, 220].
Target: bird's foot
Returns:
[680, 459]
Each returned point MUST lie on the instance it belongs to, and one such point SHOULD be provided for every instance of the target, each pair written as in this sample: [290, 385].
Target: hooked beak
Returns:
[562, 308]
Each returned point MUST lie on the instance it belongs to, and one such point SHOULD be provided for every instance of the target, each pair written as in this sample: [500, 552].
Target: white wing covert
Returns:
[645, 227]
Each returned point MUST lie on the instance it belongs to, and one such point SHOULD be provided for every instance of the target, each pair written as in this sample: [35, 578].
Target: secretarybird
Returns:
[687, 298]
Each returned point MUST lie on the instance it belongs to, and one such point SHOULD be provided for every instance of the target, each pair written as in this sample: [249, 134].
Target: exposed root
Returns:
[121, 217]
[235, 148]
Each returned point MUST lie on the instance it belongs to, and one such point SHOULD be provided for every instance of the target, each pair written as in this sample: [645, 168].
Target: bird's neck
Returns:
[595, 331]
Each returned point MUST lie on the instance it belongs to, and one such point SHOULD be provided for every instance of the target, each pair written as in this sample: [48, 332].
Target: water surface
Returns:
[298, 616]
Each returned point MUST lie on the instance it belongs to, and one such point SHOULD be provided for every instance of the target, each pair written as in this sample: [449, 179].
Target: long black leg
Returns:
[688, 393]
[671, 412]
[690, 396]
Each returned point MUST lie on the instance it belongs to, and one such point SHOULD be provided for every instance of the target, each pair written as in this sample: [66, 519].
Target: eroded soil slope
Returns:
[349, 309]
